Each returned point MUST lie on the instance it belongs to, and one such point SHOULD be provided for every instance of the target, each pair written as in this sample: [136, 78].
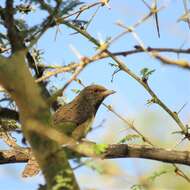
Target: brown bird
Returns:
[75, 118]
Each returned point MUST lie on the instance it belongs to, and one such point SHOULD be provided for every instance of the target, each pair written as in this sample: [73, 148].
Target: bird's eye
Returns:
[96, 90]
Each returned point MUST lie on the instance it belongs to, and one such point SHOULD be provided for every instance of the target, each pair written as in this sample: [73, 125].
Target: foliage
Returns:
[129, 137]
[145, 72]
[100, 148]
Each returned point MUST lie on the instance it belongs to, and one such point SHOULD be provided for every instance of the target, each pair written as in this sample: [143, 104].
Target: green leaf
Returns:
[145, 72]
[68, 6]
[100, 148]
[129, 137]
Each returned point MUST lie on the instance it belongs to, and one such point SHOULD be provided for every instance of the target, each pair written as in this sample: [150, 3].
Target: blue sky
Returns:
[171, 84]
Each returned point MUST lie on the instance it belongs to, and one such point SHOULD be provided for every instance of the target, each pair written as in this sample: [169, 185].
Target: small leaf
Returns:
[100, 148]
[69, 5]
[145, 72]
[129, 137]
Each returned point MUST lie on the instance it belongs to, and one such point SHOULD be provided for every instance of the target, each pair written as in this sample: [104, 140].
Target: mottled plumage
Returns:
[79, 113]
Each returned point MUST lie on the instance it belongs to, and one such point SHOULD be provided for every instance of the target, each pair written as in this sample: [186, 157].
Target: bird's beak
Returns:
[108, 92]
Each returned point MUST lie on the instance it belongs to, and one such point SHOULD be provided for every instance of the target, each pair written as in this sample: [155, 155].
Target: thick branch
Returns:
[6, 113]
[148, 152]
[15, 37]
[14, 156]
[112, 152]
[34, 112]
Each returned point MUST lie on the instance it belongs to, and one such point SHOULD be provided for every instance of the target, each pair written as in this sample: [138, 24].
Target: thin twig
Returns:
[138, 79]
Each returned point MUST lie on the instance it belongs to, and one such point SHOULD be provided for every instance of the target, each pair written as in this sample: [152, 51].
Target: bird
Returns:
[76, 118]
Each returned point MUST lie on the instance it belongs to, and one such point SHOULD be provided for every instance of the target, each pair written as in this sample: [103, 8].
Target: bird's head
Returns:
[95, 94]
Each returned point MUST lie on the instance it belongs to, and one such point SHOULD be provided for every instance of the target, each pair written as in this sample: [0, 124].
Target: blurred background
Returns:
[170, 83]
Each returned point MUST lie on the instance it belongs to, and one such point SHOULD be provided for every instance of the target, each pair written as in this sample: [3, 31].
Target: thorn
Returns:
[114, 73]
[180, 142]
[183, 106]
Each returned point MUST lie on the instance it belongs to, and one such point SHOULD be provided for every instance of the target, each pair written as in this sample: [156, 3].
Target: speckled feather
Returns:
[82, 110]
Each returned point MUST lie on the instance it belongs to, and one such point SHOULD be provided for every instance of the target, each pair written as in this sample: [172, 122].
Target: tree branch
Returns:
[122, 66]
[113, 151]
[14, 156]
[15, 37]
[6, 113]
[35, 112]
[148, 152]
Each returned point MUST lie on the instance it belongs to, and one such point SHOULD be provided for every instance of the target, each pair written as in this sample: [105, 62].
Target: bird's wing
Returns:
[73, 120]
[64, 114]
[63, 120]
[81, 130]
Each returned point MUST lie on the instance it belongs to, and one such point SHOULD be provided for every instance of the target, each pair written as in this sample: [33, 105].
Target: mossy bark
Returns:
[16, 78]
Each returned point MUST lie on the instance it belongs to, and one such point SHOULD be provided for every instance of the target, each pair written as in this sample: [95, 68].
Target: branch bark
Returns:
[113, 151]
[34, 112]
[148, 152]
[6, 113]
[14, 156]
[15, 37]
